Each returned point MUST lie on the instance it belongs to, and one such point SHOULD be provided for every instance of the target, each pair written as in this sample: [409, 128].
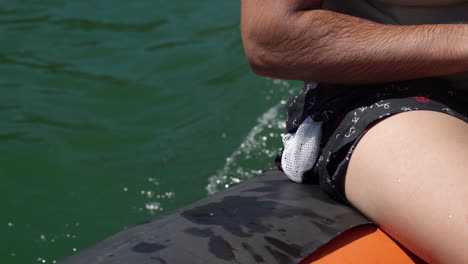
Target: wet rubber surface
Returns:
[265, 219]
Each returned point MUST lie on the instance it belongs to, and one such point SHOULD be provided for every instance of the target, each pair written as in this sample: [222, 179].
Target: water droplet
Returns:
[154, 181]
[450, 216]
[74, 249]
[153, 206]
[10, 224]
[125, 189]
[149, 194]
[43, 237]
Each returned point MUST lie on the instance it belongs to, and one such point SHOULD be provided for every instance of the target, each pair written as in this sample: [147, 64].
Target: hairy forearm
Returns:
[324, 46]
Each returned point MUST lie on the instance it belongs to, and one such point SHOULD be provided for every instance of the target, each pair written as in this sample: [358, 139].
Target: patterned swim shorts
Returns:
[348, 112]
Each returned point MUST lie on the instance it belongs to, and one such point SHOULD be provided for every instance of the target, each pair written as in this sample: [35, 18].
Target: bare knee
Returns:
[412, 168]
[413, 144]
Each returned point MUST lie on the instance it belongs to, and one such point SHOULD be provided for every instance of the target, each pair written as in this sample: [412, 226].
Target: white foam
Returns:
[235, 168]
[261, 145]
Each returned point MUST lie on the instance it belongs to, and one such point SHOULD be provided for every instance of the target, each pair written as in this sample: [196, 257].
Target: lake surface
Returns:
[115, 112]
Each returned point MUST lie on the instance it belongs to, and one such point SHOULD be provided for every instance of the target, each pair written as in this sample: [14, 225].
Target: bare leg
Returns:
[409, 173]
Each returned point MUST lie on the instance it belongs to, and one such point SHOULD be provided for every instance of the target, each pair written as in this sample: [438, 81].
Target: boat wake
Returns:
[255, 153]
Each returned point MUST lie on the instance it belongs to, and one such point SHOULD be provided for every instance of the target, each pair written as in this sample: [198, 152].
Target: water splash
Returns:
[262, 144]
[255, 153]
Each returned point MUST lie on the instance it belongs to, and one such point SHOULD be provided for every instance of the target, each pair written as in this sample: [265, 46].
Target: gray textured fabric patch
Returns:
[301, 149]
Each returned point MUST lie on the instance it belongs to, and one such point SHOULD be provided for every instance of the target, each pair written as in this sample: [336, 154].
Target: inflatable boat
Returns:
[265, 219]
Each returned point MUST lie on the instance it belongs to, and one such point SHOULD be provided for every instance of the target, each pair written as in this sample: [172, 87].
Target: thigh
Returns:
[409, 174]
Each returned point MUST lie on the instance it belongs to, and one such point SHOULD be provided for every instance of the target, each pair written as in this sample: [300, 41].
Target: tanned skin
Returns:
[295, 40]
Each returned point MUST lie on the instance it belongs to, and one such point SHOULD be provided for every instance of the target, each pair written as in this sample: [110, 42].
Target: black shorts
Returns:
[348, 112]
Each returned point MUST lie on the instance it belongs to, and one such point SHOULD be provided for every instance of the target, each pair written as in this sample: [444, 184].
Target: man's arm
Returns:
[292, 40]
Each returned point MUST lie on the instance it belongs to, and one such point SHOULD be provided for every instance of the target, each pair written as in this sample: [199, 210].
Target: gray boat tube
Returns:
[265, 219]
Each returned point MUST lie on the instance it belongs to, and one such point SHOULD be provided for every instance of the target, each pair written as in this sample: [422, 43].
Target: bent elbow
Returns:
[260, 59]
[279, 57]
[263, 60]
[262, 46]
[274, 50]
[285, 64]
[268, 63]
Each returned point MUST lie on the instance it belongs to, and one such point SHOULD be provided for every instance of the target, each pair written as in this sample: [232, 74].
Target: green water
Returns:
[115, 112]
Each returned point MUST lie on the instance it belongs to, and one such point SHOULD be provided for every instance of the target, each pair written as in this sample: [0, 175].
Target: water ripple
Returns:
[171, 44]
[227, 77]
[32, 118]
[215, 30]
[11, 12]
[88, 43]
[8, 107]
[11, 136]
[29, 61]
[28, 20]
[88, 25]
